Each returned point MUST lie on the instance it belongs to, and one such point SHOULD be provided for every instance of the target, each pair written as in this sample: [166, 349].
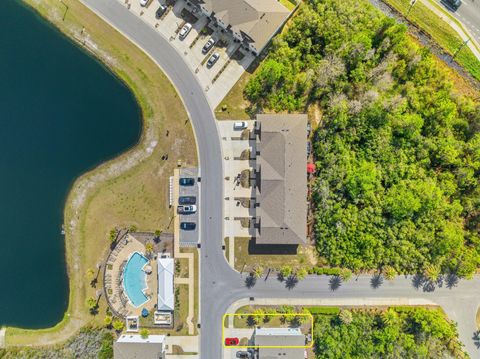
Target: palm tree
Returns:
[92, 304]
[345, 274]
[389, 317]
[257, 272]
[118, 325]
[432, 272]
[90, 273]
[144, 333]
[346, 316]
[389, 272]
[108, 321]
[149, 247]
[301, 273]
[286, 271]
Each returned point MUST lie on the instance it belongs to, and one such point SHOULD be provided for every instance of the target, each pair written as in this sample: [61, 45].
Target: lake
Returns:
[61, 114]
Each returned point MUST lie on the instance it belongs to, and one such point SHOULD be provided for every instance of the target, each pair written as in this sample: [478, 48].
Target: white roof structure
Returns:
[133, 346]
[166, 299]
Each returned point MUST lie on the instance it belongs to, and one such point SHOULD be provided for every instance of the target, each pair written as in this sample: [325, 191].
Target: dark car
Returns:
[186, 181]
[244, 355]
[209, 44]
[454, 4]
[188, 226]
[160, 11]
[187, 200]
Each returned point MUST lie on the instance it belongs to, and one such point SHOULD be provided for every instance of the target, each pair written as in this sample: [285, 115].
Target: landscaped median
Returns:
[125, 192]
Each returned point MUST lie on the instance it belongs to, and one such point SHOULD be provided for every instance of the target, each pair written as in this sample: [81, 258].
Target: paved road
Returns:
[220, 285]
[469, 15]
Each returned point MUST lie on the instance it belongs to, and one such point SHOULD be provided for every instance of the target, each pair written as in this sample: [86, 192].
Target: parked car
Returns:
[186, 181]
[213, 59]
[208, 45]
[185, 30]
[309, 148]
[144, 2]
[187, 209]
[244, 355]
[187, 200]
[454, 4]
[188, 226]
[160, 11]
[240, 125]
[231, 341]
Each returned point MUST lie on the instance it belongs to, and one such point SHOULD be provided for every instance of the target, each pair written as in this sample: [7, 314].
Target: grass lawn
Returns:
[305, 257]
[441, 32]
[129, 190]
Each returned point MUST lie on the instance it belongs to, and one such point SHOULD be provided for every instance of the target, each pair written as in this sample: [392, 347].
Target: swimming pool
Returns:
[134, 280]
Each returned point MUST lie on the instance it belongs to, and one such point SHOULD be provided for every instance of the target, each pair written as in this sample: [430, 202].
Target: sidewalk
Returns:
[460, 30]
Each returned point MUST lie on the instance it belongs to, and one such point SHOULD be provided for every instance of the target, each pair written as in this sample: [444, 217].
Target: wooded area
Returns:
[394, 333]
[397, 149]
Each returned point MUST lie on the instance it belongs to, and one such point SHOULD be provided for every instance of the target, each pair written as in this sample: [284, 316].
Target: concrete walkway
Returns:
[460, 30]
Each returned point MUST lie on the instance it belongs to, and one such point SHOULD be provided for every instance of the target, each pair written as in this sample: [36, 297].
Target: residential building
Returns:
[287, 343]
[253, 22]
[133, 346]
[281, 179]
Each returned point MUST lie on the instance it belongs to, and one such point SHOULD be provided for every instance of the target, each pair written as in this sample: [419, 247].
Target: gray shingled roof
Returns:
[280, 337]
[282, 185]
[256, 19]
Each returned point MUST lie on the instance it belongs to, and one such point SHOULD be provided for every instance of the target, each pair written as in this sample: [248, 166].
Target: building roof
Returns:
[165, 284]
[282, 179]
[257, 20]
[133, 346]
[281, 337]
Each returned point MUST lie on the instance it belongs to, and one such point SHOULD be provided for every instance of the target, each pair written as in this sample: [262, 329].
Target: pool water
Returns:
[134, 279]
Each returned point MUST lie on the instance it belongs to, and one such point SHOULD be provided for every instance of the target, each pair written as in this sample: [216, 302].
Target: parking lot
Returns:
[189, 237]
[216, 80]
[239, 199]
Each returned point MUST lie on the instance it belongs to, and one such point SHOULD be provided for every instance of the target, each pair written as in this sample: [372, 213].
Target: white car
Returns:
[185, 30]
[144, 2]
[240, 125]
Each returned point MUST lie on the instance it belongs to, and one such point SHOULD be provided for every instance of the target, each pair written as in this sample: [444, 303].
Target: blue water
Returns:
[134, 279]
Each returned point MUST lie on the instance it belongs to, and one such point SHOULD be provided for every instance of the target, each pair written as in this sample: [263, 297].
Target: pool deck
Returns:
[118, 299]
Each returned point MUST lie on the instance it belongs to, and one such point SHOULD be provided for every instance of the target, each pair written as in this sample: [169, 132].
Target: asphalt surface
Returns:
[220, 285]
[468, 14]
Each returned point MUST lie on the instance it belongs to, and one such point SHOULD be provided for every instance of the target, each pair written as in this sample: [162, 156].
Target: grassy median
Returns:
[130, 190]
[440, 31]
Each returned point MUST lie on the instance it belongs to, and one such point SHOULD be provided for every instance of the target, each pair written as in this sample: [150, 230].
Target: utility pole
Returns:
[459, 49]
[412, 2]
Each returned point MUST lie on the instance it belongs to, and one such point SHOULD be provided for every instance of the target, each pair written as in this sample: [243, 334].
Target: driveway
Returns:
[217, 80]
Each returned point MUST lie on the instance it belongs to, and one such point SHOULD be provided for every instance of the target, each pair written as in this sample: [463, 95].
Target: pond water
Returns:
[61, 114]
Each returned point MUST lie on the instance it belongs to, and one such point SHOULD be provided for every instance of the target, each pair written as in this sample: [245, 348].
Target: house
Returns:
[133, 346]
[274, 343]
[281, 179]
[252, 22]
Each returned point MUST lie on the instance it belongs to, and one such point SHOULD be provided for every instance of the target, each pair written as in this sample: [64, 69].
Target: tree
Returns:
[149, 247]
[91, 303]
[90, 273]
[286, 271]
[389, 272]
[345, 274]
[345, 316]
[257, 271]
[432, 272]
[389, 317]
[132, 228]
[157, 233]
[144, 333]
[113, 235]
[118, 325]
[301, 273]
[108, 321]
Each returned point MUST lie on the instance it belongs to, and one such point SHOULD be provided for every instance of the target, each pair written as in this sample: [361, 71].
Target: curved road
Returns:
[220, 285]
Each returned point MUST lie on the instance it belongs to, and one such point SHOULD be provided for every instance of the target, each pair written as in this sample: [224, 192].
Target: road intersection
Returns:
[220, 285]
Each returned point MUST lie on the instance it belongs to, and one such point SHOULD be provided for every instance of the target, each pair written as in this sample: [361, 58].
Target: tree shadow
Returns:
[451, 280]
[376, 281]
[476, 339]
[418, 280]
[251, 322]
[291, 282]
[250, 281]
[280, 277]
[429, 286]
[334, 283]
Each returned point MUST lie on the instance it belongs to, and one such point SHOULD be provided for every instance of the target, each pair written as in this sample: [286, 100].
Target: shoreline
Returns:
[83, 189]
